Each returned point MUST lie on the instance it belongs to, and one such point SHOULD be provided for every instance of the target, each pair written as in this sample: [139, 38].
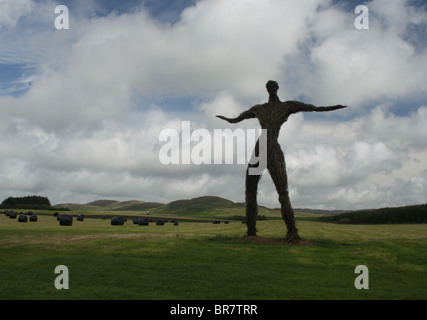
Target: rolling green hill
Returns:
[111, 205]
[135, 205]
[212, 207]
[200, 207]
[103, 203]
[200, 204]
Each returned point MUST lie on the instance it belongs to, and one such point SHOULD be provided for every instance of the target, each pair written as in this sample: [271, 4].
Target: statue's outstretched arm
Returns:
[244, 115]
[320, 109]
[297, 106]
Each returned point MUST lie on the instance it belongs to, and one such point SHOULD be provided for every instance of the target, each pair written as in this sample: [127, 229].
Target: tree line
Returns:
[28, 202]
[397, 215]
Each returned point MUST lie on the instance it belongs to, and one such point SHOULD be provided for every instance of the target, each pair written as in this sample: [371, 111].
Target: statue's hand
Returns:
[224, 118]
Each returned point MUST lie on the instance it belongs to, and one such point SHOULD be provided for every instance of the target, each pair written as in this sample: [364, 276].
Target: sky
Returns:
[82, 109]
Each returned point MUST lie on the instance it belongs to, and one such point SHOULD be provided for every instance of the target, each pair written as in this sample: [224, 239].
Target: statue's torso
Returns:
[271, 117]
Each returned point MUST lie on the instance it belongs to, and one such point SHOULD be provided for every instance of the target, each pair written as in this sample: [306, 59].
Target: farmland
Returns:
[202, 260]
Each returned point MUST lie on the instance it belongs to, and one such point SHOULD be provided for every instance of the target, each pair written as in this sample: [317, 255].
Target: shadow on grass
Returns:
[265, 240]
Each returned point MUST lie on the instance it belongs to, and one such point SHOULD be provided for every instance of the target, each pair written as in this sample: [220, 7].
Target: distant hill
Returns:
[103, 203]
[111, 205]
[319, 211]
[131, 205]
[217, 207]
[201, 203]
[135, 205]
[206, 206]
[199, 206]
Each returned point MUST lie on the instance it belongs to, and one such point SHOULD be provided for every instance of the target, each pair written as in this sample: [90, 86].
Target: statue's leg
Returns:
[251, 202]
[277, 169]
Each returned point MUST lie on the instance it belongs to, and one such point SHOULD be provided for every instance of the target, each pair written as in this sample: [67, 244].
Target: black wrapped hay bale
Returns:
[22, 218]
[160, 222]
[143, 222]
[176, 223]
[117, 221]
[65, 220]
[80, 217]
[33, 218]
[12, 215]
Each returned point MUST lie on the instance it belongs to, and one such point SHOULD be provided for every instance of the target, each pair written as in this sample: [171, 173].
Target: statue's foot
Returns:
[292, 237]
[251, 233]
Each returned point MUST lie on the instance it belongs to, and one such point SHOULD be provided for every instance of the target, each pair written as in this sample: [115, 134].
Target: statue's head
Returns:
[272, 87]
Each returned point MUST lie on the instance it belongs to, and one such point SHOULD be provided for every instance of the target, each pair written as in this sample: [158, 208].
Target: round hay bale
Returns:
[12, 215]
[176, 223]
[65, 220]
[22, 218]
[80, 217]
[160, 222]
[117, 221]
[55, 214]
[33, 218]
[143, 222]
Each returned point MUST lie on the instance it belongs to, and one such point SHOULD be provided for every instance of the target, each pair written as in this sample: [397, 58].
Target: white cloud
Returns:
[385, 157]
[82, 132]
[359, 66]
[11, 11]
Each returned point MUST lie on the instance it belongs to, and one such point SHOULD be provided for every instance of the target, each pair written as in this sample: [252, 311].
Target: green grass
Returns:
[207, 261]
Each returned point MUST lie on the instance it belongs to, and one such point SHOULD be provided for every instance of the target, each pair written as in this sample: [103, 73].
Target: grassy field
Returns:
[198, 260]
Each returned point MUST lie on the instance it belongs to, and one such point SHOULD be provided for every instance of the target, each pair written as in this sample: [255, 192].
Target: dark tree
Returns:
[33, 202]
[271, 116]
